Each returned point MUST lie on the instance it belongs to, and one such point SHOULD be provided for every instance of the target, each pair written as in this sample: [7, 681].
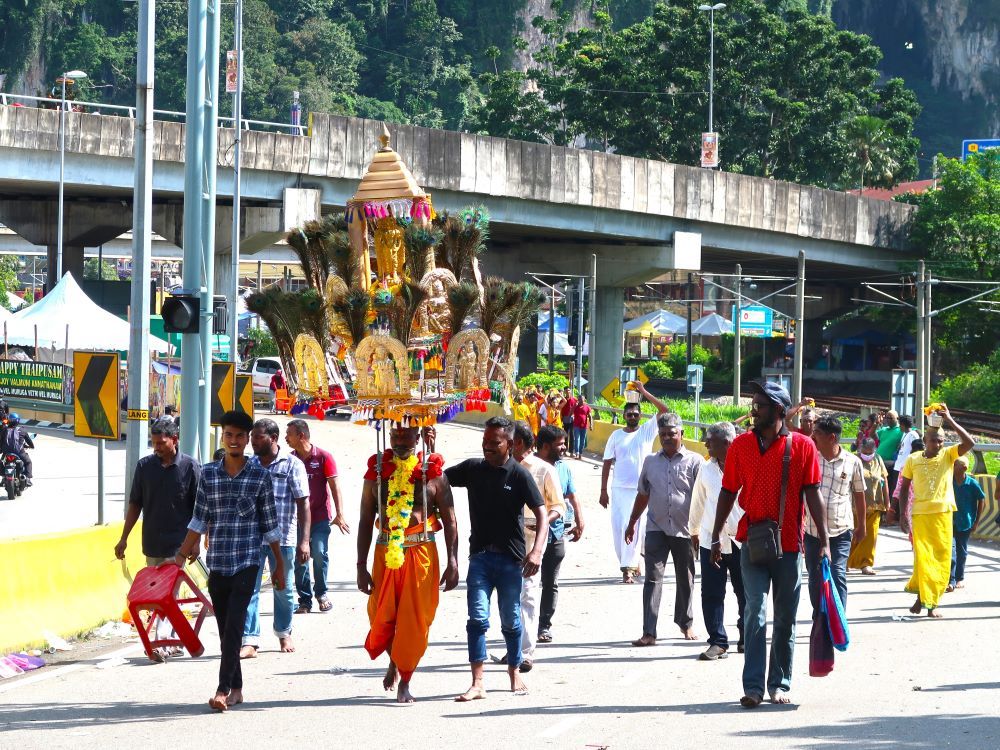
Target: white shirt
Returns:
[905, 448]
[629, 450]
[705, 501]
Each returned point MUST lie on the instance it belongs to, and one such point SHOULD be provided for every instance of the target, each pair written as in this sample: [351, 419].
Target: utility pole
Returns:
[928, 330]
[233, 323]
[579, 334]
[737, 305]
[142, 228]
[592, 352]
[690, 308]
[919, 400]
[552, 328]
[800, 315]
[200, 156]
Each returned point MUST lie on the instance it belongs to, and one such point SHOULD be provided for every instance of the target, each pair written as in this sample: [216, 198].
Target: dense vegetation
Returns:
[795, 98]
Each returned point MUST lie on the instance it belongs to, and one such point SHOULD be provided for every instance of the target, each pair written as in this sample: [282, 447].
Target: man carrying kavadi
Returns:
[403, 583]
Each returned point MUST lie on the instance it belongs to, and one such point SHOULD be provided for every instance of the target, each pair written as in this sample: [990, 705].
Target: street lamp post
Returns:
[711, 57]
[72, 75]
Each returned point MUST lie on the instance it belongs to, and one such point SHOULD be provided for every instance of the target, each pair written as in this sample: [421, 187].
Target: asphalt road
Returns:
[905, 682]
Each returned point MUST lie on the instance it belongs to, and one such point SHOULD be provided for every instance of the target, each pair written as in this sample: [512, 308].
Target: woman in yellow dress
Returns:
[520, 411]
[876, 502]
[931, 473]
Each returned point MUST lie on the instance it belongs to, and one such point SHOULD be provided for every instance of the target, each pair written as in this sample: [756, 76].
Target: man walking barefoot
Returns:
[235, 507]
[499, 488]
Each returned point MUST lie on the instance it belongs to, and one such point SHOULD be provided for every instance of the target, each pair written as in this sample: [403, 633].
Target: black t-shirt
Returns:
[166, 495]
[497, 496]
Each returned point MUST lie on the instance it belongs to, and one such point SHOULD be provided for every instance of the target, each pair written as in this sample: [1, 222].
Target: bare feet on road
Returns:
[218, 702]
[248, 652]
[403, 694]
[287, 647]
[915, 609]
[234, 698]
[474, 693]
[689, 634]
[517, 686]
[389, 681]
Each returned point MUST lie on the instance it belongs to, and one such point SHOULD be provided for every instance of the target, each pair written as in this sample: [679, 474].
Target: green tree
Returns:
[871, 141]
[9, 268]
[106, 271]
[958, 227]
[787, 84]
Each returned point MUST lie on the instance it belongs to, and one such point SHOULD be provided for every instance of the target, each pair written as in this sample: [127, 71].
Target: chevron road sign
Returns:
[223, 396]
[96, 408]
[244, 394]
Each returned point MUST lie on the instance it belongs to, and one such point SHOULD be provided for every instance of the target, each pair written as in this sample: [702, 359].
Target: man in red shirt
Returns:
[568, 405]
[322, 472]
[754, 471]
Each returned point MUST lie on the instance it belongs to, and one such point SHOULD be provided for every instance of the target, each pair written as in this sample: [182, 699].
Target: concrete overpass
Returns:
[551, 207]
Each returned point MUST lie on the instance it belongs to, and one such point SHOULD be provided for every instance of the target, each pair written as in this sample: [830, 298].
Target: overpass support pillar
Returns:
[609, 332]
[72, 262]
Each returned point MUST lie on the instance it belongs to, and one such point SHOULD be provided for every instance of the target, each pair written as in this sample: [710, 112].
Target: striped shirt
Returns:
[839, 480]
[237, 513]
[291, 483]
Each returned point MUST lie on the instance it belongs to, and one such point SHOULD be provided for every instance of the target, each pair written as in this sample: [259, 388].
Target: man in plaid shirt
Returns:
[235, 507]
[291, 498]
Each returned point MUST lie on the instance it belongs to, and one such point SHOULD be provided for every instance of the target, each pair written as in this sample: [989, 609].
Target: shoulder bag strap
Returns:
[785, 465]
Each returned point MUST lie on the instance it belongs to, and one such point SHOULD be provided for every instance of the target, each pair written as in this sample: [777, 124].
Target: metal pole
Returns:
[928, 330]
[260, 281]
[711, 68]
[142, 229]
[552, 328]
[194, 189]
[690, 308]
[919, 401]
[62, 176]
[100, 482]
[209, 135]
[233, 323]
[737, 306]
[579, 334]
[592, 353]
[800, 314]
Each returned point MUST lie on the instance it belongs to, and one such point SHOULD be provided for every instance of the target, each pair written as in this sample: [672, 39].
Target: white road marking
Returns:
[561, 726]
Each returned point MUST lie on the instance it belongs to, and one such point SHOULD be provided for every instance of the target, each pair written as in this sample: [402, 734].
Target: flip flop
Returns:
[325, 605]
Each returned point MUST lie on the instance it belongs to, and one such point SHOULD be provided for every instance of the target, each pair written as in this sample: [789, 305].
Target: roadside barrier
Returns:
[65, 583]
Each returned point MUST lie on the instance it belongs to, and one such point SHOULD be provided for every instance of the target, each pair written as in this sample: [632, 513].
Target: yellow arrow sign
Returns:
[223, 396]
[611, 394]
[244, 394]
[96, 412]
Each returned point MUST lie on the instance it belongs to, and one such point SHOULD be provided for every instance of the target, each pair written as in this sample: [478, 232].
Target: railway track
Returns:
[976, 422]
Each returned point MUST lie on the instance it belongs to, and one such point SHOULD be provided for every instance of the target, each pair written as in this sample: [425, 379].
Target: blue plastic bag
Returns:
[831, 606]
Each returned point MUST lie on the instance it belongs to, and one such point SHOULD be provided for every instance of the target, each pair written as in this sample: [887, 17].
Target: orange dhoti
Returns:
[402, 605]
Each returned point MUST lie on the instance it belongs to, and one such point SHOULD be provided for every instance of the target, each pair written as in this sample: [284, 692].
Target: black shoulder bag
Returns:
[764, 537]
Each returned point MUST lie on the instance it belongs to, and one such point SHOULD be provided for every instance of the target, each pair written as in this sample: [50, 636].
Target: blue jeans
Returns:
[959, 552]
[489, 571]
[786, 577]
[284, 600]
[840, 550]
[579, 435]
[713, 595]
[319, 542]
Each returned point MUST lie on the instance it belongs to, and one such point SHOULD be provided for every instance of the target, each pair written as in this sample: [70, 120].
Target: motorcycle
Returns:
[14, 479]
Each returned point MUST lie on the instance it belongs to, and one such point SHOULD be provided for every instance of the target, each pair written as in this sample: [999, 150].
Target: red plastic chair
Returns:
[157, 591]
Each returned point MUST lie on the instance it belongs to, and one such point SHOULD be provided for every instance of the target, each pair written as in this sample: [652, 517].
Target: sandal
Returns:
[325, 605]
[545, 636]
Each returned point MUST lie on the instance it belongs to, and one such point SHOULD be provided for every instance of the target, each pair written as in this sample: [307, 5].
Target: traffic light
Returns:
[180, 313]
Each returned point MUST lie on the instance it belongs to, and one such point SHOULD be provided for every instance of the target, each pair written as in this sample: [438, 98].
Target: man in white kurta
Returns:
[623, 456]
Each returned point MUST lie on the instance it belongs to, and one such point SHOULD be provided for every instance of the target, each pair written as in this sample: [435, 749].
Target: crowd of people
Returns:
[765, 504]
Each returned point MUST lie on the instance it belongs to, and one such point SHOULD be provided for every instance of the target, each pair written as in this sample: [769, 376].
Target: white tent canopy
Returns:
[658, 322]
[712, 324]
[89, 325]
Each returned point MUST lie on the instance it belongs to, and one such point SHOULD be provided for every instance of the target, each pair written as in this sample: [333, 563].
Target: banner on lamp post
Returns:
[232, 70]
[710, 150]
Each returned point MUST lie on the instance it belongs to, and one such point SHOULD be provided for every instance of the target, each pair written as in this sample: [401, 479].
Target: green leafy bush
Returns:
[657, 369]
[544, 380]
[978, 388]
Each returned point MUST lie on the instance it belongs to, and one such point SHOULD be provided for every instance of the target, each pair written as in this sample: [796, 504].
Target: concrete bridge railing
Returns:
[341, 147]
